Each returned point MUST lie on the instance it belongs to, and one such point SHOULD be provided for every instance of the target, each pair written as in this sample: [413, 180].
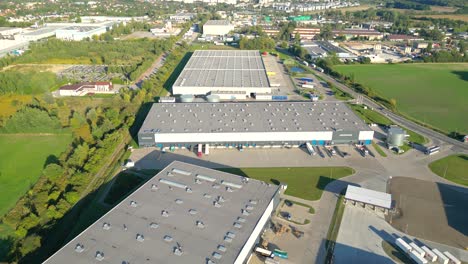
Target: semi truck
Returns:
[310, 149]
[310, 86]
[417, 258]
[264, 252]
[403, 245]
[199, 151]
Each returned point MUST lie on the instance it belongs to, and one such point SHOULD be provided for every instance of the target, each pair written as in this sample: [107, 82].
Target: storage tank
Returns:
[212, 98]
[186, 98]
[395, 137]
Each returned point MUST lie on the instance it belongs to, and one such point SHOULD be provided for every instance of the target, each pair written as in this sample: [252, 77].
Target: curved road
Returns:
[429, 133]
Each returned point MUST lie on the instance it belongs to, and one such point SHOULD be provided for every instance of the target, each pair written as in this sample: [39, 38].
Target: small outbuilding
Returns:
[368, 197]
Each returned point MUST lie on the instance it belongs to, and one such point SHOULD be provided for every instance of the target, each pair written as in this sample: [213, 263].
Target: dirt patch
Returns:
[432, 211]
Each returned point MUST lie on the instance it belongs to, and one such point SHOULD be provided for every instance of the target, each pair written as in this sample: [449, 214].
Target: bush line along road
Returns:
[427, 132]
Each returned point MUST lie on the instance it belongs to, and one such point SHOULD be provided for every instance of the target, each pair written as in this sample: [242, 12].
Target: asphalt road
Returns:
[437, 137]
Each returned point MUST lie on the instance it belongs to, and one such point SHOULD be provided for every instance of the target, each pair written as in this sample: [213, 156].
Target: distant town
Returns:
[233, 131]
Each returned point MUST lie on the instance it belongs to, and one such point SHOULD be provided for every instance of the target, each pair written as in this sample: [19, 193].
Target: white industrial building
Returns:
[252, 125]
[78, 33]
[368, 197]
[223, 71]
[184, 214]
[217, 27]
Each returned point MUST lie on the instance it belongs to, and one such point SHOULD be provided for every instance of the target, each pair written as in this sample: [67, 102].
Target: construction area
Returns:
[432, 211]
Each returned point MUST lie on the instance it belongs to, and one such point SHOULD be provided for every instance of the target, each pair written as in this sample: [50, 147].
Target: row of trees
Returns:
[29, 82]
[97, 131]
[446, 56]
[260, 43]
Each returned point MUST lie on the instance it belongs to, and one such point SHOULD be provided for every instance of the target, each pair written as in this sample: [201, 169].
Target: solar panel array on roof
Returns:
[225, 68]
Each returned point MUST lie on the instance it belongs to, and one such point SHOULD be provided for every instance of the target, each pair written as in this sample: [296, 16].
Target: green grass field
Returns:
[305, 183]
[453, 168]
[22, 158]
[435, 94]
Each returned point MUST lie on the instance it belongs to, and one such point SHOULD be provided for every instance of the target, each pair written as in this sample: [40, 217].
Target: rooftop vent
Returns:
[192, 211]
[197, 181]
[245, 212]
[221, 248]
[253, 201]
[133, 204]
[188, 190]
[99, 256]
[172, 183]
[200, 224]
[179, 201]
[228, 189]
[221, 199]
[169, 174]
[227, 239]
[106, 226]
[237, 225]
[79, 248]
[230, 184]
[167, 238]
[207, 195]
[231, 234]
[181, 172]
[216, 186]
[154, 187]
[178, 251]
[165, 213]
[249, 207]
[216, 255]
[154, 225]
[140, 238]
[216, 204]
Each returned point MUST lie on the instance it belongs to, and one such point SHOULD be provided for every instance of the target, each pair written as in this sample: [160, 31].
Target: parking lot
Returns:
[320, 87]
[89, 73]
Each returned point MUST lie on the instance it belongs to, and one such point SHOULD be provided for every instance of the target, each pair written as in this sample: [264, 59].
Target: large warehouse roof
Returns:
[369, 196]
[184, 214]
[217, 23]
[250, 117]
[224, 68]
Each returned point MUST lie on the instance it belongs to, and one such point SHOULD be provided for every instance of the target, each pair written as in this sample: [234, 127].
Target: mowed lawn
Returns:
[436, 94]
[454, 168]
[303, 182]
[22, 158]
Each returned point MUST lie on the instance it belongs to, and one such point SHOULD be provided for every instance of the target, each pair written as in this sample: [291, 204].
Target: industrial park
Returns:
[233, 131]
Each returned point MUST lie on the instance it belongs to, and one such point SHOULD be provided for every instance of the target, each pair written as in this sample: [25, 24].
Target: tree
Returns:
[52, 171]
[284, 45]
[393, 103]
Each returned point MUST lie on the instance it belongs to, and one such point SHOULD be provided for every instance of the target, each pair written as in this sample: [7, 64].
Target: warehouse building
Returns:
[223, 70]
[78, 33]
[217, 27]
[184, 214]
[251, 124]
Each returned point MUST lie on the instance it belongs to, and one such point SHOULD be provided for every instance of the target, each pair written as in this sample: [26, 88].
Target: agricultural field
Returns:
[434, 94]
[305, 183]
[22, 158]
[461, 17]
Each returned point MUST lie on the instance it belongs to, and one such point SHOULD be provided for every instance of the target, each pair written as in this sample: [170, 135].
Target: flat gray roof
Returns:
[253, 116]
[224, 68]
[81, 28]
[142, 214]
[41, 31]
[217, 23]
[369, 196]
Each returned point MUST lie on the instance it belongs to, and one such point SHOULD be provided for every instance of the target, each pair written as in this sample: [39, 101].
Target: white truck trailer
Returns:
[431, 256]
[417, 258]
[441, 257]
[418, 250]
[452, 258]
[207, 149]
[403, 245]
[310, 149]
[310, 86]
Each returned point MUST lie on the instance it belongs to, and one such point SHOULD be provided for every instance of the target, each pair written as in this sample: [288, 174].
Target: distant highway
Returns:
[436, 137]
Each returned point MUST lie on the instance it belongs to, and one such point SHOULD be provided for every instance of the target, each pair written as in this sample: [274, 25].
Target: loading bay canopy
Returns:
[367, 196]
